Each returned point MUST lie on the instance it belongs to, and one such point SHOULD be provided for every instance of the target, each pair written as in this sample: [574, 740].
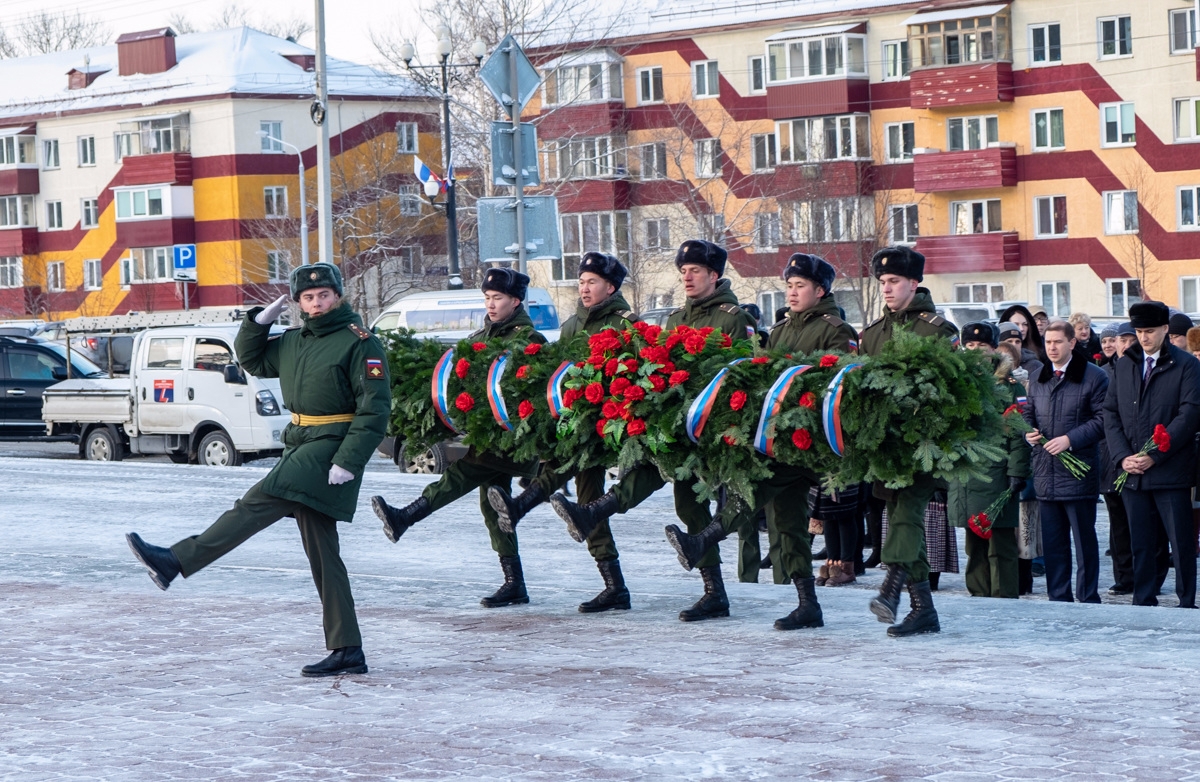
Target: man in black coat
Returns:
[1156, 383]
[1066, 401]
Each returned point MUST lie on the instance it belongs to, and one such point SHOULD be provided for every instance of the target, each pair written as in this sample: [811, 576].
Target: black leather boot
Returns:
[615, 595]
[690, 548]
[512, 591]
[511, 510]
[808, 613]
[348, 659]
[397, 520]
[766, 563]
[922, 618]
[872, 560]
[887, 602]
[582, 519]
[713, 603]
[161, 563]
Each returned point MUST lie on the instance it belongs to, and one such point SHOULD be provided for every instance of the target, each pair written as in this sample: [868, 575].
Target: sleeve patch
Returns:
[375, 368]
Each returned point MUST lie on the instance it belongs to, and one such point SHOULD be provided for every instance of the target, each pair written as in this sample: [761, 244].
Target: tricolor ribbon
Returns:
[701, 408]
[440, 387]
[554, 390]
[763, 442]
[495, 396]
[831, 412]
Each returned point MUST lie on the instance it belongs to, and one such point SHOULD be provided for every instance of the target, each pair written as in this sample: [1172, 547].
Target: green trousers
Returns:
[463, 477]
[749, 551]
[992, 564]
[785, 493]
[258, 510]
[642, 481]
[777, 572]
[589, 485]
[905, 542]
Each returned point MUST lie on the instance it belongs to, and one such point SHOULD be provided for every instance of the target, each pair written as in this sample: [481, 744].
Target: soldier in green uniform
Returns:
[900, 271]
[504, 291]
[334, 379]
[813, 325]
[710, 302]
[600, 306]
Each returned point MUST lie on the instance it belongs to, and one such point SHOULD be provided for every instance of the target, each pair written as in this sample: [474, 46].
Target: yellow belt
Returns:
[318, 420]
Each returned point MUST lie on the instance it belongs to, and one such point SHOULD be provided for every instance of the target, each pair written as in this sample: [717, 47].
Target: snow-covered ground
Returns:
[103, 677]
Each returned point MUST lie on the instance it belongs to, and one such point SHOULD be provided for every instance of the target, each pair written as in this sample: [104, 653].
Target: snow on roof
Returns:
[237, 60]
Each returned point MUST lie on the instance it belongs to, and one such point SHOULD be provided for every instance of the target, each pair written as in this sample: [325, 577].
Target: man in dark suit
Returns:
[1156, 383]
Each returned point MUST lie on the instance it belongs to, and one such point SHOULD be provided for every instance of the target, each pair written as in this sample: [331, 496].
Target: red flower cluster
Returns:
[637, 393]
[726, 341]
[677, 377]
[829, 360]
[737, 400]
[611, 410]
[802, 439]
[522, 372]
[1161, 438]
[532, 348]
[635, 427]
[525, 409]
[618, 386]
[611, 366]
[657, 384]
[760, 359]
[461, 367]
[571, 396]
[1013, 408]
[808, 400]
[478, 346]
[594, 393]
[656, 354]
[464, 401]
[981, 525]
[694, 343]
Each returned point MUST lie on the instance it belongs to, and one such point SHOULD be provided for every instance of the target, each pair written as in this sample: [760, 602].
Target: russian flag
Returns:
[424, 174]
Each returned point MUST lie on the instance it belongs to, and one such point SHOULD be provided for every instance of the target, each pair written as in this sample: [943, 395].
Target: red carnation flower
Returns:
[694, 344]
[706, 331]
[981, 525]
[667, 368]
[808, 399]
[600, 426]
[802, 439]
[627, 411]
[522, 371]
[1013, 408]
[760, 359]
[461, 367]
[652, 334]
[618, 385]
[828, 360]
[657, 384]
[636, 426]
[678, 377]
[611, 410]
[729, 440]
[630, 364]
[594, 393]
[726, 341]
[1162, 438]
[525, 409]
[626, 335]
[641, 326]
[479, 346]
[611, 367]
[672, 341]
[464, 402]
[737, 400]
[571, 396]
[636, 393]
[532, 348]
[1098, 356]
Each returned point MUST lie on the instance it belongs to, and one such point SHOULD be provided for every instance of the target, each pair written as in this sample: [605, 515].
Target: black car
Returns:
[28, 366]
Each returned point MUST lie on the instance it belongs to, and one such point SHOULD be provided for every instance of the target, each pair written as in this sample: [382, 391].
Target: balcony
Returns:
[584, 119]
[157, 169]
[973, 169]
[18, 181]
[156, 233]
[951, 86]
[821, 179]
[593, 195]
[818, 98]
[971, 253]
[18, 241]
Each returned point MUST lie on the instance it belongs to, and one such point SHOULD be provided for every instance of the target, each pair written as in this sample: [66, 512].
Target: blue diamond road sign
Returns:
[496, 74]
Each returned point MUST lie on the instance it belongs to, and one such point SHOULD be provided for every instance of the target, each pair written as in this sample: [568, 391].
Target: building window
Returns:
[1122, 293]
[406, 138]
[956, 41]
[975, 217]
[1118, 124]
[657, 233]
[654, 160]
[11, 272]
[271, 135]
[706, 82]
[767, 230]
[410, 201]
[1045, 44]
[895, 60]
[1116, 36]
[1187, 119]
[409, 261]
[279, 265]
[93, 279]
[763, 151]
[712, 228]
[1189, 294]
[1120, 212]
[708, 157]
[54, 218]
[816, 58]
[758, 75]
[978, 293]
[1188, 201]
[1050, 216]
[146, 264]
[154, 136]
[1183, 34]
[903, 218]
[606, 232]
[56, 276]
[584, 158]
[87, 150]
[1048, 132]
[771, 302]
[900, 141]
[16, 212]
[89, 213]
[1055, 298]
[50, 153]
[845, 137]
[828, 220]
[650, 85]
[971, 132]
[133, 204]
[17, 151]
[585, 83]
[275, 201]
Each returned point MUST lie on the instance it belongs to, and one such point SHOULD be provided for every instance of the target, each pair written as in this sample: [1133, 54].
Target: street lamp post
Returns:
[303, 199]
[444, 69]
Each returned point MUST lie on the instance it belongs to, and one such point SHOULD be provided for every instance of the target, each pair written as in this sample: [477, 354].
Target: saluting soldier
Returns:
[906, 305]
[812, 325]
[334, 379]
[600, 306]
[710, 302]
[504, 293]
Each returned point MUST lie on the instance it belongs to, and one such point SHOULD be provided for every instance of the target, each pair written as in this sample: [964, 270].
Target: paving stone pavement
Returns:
[103, 677]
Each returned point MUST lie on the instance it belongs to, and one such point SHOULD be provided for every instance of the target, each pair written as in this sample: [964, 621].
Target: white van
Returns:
[452, 315]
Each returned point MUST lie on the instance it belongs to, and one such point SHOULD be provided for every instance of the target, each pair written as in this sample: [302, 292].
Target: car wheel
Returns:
[216, 450]
[102, 446]
[431, 461]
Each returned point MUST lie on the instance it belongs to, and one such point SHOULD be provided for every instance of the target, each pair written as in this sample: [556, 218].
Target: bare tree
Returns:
[47, 32]
[181, 23]
[238, 15]
[1133, 212]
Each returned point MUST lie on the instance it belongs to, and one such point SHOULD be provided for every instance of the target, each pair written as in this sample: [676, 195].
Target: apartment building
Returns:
[114, 159]
[1037, 150]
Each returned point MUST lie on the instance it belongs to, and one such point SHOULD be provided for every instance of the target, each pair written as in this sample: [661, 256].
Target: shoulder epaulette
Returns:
[626, 314]
[730, 308]
[873, 323]
[834, 320]
[359, 331]
[931, 318]
[676, 311]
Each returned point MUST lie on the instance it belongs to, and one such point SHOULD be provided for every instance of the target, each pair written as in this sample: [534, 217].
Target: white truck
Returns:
[185, 397]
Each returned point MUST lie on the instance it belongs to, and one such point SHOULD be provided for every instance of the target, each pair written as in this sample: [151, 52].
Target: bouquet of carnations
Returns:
[981, 523]
[1076, 466]
[1160, 440]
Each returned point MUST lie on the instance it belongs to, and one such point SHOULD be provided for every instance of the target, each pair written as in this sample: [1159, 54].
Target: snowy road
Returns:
[103, 677]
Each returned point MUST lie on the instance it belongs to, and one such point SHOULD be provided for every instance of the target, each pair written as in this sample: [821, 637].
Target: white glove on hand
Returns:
[338, 476]
[271, 312]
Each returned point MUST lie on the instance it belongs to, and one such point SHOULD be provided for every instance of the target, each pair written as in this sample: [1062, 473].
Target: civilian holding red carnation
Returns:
[1151, 416]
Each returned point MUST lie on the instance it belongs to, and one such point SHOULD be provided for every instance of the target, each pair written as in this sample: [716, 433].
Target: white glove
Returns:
[338, 476]
[271, 312]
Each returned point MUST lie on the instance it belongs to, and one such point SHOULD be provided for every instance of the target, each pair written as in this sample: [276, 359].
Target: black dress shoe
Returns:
[348, 659]
[161, 563]
[1116, 590]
